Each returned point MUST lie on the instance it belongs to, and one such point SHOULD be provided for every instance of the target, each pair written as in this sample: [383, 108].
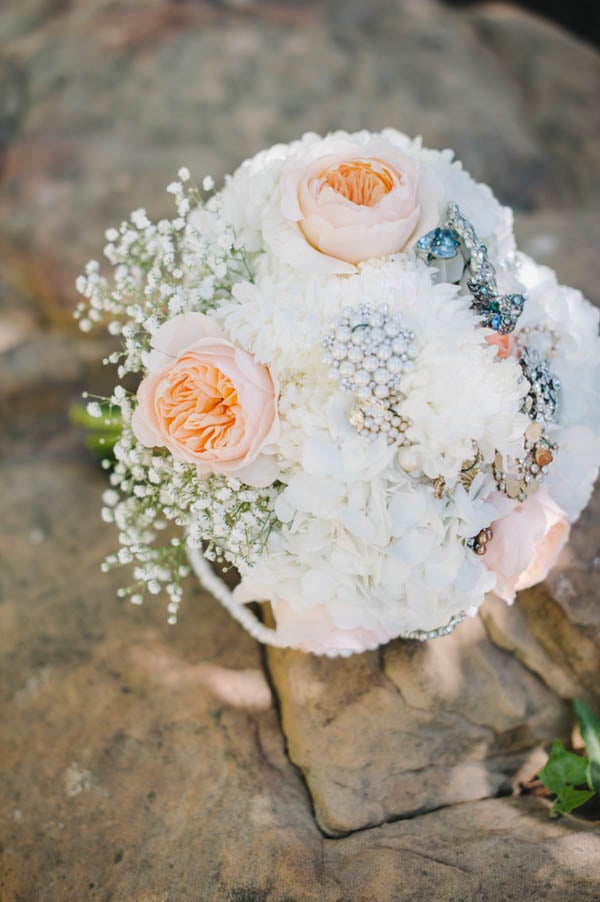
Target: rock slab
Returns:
[144, 763]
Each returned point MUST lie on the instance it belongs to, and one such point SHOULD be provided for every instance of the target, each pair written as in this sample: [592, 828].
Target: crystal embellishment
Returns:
[369, 351]
[541, 401]
[439, 244]
[499, 312]
[424, 635]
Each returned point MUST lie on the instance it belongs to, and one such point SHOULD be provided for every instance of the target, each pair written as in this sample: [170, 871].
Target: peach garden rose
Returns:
[343, 201]
[207, 401]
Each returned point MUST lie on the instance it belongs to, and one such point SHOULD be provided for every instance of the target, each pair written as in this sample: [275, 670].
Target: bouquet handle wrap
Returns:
[213, 583]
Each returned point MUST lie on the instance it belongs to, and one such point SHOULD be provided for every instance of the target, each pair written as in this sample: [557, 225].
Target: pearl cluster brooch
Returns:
[368, 351]
[499, 312]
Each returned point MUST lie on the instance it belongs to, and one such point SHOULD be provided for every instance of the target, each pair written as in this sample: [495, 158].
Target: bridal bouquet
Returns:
[352, 388]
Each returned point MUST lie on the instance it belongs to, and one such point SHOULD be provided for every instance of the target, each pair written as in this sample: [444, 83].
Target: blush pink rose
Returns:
[527, 540]
[344, 201]
[207, 401]
[313, 630]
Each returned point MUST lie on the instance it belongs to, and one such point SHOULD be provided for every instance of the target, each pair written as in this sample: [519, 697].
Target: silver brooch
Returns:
[458, 240]
[541, 401]
[368, 351]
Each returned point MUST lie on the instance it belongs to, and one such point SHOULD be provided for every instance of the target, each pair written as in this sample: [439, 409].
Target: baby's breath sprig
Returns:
[188, 263]
[150, 490]
[232, 521]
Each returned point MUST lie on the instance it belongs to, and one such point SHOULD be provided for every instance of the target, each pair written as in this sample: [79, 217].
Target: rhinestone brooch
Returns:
[499, 312]
[368, 352]
[541, 401]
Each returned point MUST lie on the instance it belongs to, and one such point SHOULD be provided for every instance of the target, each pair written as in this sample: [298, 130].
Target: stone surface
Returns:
[146, 763]
[411, 728]
[102, 103]
[500, 849]
[142, 762]
[40, 377]
[565, 239]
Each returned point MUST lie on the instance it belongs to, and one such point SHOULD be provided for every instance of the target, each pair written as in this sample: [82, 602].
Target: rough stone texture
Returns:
[102, 102]
[412, 728]
[565, 240]
[142, 762]
[500, 849]
[145, 763]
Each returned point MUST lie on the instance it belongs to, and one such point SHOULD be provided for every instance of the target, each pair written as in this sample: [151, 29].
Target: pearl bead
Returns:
[355, 354]
[346, 369]
[343, 333]
[394, 365]
[381, 376]
[338, 351]
[370, 363]
[407, 459]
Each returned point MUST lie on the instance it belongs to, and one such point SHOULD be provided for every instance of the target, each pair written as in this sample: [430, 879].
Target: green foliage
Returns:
[590, 731]
[563, 767]
[100, 433]
[565, 773]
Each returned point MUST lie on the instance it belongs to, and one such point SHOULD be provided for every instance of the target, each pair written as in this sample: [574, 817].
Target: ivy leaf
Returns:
[563, 768]
[590, 731]
[570, 798]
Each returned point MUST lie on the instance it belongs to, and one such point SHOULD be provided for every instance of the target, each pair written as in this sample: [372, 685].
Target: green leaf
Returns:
[79, 416]
[563, 767]
[590, 731]
[100, 433]
[570, 798]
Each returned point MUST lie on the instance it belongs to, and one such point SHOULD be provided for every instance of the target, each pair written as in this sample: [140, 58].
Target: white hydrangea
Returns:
[563, 311]
[381, 553]
[560, 320]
